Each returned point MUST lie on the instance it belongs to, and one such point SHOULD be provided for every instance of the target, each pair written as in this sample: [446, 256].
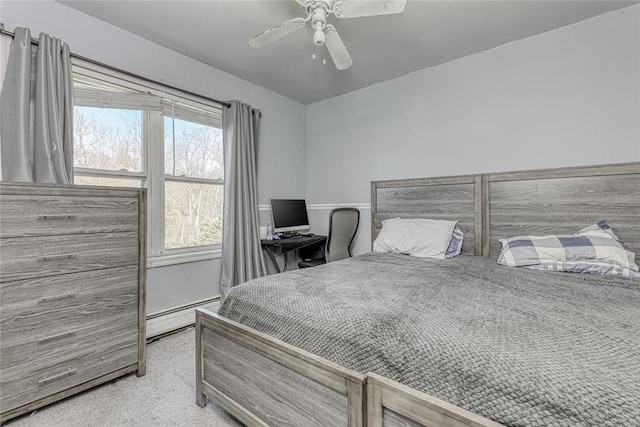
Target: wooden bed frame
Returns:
[392, 404]
[263, 381]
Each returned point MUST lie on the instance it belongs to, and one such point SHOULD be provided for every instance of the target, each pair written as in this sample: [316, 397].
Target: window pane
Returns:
[110, 182]
[196, 149]
[193, 214]
[107, 138]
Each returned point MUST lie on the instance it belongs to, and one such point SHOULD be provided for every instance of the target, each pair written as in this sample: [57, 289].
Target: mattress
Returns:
[521, 347]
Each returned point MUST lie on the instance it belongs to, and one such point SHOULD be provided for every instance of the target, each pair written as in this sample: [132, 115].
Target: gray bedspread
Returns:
[521, 347]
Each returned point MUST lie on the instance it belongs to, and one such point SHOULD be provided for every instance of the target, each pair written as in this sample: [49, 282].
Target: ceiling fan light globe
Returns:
[319, 37]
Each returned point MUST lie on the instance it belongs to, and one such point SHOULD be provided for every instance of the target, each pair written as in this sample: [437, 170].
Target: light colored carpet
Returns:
[163, 397]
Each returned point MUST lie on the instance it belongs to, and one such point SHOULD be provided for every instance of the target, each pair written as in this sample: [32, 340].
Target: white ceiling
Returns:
[382, 47]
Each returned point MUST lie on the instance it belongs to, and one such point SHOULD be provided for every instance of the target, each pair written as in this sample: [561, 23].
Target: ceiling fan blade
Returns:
[277, 32]
[305, 3]
[359, 8]
[337, 49]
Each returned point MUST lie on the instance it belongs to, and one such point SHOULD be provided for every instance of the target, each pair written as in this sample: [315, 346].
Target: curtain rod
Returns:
[127, 73]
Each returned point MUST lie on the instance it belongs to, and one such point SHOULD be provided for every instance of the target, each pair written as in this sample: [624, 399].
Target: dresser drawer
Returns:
[41, 318]
[37, 215]
[29, 257]
[24, 383]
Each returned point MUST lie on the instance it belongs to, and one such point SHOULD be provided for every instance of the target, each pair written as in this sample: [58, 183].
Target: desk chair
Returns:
[343, 226]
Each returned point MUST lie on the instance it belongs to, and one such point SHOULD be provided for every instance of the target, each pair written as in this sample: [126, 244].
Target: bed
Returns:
[350, 343]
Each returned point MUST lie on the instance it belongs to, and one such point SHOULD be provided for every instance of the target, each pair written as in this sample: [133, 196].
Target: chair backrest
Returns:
[343, 226]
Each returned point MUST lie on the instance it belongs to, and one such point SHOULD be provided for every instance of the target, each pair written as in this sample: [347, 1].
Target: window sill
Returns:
[183, 258]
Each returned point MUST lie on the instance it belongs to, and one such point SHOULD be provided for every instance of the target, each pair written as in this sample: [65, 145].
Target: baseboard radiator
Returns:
[178, 317]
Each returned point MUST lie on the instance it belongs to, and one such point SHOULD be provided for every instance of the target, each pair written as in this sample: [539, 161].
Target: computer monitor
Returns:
[289, 215]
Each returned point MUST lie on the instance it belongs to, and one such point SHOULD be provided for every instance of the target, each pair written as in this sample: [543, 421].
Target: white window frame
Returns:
[153, 176]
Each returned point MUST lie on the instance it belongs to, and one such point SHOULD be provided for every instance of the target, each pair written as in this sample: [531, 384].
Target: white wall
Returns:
[566, 97]
[282, 127]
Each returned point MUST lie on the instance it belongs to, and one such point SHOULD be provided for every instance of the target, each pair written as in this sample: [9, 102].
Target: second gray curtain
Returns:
[36, 111]
[242, 257]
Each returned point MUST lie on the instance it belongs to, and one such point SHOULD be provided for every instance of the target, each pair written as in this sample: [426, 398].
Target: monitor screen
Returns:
[289, 215]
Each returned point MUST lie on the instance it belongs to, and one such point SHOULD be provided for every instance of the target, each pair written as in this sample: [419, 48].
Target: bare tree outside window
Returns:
[193, 214]
[108, 138]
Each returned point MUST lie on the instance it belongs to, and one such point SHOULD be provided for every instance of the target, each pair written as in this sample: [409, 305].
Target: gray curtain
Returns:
[242, 257]
[36, 111]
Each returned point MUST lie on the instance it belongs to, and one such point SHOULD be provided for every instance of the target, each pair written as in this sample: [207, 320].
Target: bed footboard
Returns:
[264, 381]
[391, 404]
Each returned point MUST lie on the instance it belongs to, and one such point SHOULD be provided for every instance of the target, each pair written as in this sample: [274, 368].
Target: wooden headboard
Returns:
[562, 201]
[493, 206]
[454, 198]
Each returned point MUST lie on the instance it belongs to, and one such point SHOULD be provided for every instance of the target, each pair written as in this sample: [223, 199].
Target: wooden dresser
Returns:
[72, 290]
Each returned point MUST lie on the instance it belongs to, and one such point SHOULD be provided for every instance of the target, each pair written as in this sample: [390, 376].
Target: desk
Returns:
[278, 247]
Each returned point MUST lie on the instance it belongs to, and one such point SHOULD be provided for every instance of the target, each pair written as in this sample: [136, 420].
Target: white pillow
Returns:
[423, 238]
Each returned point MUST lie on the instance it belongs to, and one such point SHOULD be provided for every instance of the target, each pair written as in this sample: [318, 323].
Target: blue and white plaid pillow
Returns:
[455, 244]
[591, 250]
[601, 226]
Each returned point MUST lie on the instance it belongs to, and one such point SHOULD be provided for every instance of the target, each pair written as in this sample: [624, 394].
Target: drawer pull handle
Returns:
[55, 297]
[56, 336]
[66, 373]
[56, 257]
[46, 217]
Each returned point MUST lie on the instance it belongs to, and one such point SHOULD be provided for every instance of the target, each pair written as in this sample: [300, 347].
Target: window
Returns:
[132, 135]
[193, 173]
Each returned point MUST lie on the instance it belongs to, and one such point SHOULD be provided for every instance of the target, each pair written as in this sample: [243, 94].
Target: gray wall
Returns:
[181, 284]
[566, 97]
[283, 120]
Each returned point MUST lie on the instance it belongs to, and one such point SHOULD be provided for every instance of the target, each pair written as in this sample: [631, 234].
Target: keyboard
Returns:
[287, 236]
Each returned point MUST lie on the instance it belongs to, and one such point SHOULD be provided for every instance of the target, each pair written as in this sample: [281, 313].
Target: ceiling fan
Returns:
[326, 34]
